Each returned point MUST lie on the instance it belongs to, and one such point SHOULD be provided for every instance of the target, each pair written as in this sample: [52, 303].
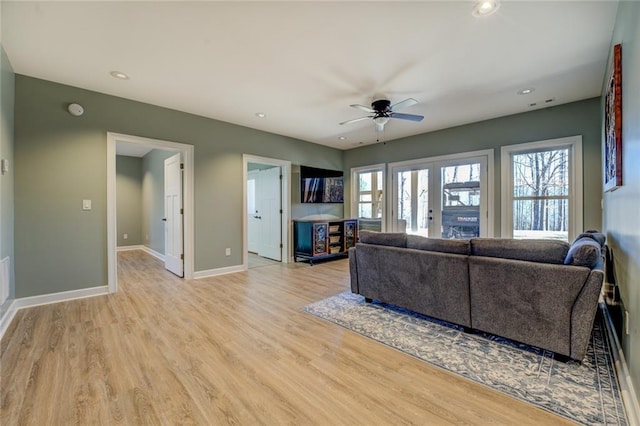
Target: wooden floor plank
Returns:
[233, 349]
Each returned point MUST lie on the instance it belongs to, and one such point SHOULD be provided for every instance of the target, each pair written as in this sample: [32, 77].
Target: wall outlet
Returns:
[146, 237]
[227, 251]
[125, 236]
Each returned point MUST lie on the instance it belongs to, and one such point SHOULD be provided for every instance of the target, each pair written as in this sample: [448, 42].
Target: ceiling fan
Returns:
[382, 111]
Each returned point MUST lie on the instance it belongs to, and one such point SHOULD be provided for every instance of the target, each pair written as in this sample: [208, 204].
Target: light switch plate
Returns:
[86, 204]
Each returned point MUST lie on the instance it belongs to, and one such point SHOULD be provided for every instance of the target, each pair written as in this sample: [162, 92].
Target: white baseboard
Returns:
[129, 248]
[627, 391]
[45, 299]
[146, 249]
[219, 271]
[153, 253]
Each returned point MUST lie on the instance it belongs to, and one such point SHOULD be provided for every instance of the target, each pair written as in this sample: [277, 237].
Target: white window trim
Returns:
[355, 191]
[576, 189]
[488, 153]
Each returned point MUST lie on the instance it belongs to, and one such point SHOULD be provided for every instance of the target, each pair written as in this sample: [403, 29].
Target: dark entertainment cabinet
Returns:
[323, 239]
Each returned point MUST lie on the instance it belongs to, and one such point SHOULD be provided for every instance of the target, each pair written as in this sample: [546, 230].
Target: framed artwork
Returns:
[613, 124]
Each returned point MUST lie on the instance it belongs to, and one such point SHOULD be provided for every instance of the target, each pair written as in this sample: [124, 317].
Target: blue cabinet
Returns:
[318, 239]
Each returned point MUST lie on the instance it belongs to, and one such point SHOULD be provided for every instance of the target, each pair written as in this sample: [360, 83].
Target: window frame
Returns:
[576, 184]
[355, 189]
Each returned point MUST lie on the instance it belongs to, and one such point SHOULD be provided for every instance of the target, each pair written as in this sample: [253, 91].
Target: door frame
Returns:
[490, 206]
[188, 200]
[285, 195]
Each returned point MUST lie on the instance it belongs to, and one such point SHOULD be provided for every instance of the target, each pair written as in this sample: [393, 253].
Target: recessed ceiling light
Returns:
[261, 114]
[485, 7]
[120, 75]
[526, 91]
[342, 138]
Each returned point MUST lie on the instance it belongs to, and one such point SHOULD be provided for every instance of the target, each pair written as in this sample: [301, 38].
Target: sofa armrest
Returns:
[353, 270]
[584, 312]
[526, 301]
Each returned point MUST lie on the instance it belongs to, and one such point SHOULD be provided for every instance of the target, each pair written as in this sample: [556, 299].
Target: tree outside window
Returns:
[541, 194]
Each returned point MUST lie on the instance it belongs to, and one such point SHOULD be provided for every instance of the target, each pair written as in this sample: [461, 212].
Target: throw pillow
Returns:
[584, 251]
[599, 237]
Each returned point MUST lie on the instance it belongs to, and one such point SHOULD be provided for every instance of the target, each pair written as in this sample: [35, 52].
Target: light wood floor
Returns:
[234, 349]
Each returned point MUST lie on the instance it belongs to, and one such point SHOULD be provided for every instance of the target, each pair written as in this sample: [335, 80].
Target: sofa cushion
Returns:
[438, 244]
[383, 238]
[584, 251]
[546, 251]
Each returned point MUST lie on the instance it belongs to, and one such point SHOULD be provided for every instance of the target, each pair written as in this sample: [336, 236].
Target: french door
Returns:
[440, 198]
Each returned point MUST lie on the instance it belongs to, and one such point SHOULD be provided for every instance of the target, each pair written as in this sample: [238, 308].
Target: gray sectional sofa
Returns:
[540, 292]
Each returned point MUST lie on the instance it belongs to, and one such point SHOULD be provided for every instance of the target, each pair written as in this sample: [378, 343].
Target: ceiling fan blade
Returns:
[410, 117]
[403, 104]
[362, 107]
[356, 120]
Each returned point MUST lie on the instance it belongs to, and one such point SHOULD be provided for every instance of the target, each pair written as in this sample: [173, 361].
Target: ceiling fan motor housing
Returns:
[381, 105]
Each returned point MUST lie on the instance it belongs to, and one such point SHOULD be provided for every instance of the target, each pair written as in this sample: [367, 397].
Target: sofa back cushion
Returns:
[438, 244]
[383, 238]
[545, 251]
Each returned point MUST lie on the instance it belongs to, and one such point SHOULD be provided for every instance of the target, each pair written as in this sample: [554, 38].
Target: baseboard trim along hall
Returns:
[129, 248]
[45, 299]
[218, 271]
[627, 391]
[146, 249]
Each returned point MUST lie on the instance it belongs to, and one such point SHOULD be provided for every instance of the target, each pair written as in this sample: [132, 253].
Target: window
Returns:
[542, 189]
[367, 199]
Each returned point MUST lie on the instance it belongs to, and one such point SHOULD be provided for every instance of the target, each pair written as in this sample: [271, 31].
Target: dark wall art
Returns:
[613, 123]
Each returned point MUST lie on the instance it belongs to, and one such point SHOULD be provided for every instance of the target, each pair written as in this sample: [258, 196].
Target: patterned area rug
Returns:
[586, 393]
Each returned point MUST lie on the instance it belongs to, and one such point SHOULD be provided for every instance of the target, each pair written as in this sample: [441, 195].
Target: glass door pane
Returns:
[413, 211]
[460, 201]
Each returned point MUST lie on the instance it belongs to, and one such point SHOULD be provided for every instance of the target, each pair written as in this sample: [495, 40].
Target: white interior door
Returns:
[253, 219]
[269, 211]
[173, 227]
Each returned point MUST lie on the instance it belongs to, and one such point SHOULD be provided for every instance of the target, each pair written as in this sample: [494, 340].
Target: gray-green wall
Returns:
[61, 160]
[153, 199]
[578, 118]
[6, 181]
[129, 200]
[622, 207]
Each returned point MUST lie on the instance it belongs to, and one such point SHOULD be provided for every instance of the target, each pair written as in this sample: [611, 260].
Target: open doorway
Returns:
[266, 211]
[169, 234]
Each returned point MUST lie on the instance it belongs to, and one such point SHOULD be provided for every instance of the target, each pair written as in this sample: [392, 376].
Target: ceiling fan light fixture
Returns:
[381, 121]
[483, 8]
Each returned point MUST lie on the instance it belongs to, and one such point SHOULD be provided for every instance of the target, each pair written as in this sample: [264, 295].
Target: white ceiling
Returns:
[303, 63]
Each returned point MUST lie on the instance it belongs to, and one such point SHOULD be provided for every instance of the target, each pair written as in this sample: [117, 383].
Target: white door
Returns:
[173, 250]
[269, 211]
[443, 199]
[253, 221]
